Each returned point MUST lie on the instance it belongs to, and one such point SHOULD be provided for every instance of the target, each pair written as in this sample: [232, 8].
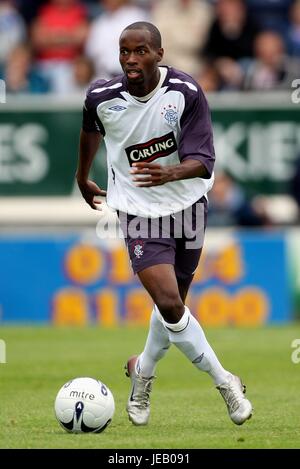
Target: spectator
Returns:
[209, 78]
[103, 37]
[270, 14]
[184, 26]
[293, 34]
[223, 74]
[29, 8]
[271, 69]
[232, 33]
[12, 29]
[58, 35]
[231, 73]
[20, 75]
[83, 72]
[229, 206]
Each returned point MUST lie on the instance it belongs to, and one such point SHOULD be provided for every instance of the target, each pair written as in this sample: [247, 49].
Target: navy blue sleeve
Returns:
[90, 118]
[196, 137]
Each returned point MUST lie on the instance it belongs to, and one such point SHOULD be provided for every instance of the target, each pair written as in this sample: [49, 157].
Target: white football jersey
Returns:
[170, 127]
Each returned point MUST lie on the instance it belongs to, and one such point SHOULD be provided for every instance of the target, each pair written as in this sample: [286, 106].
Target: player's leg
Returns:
[229, 385]
[186, 334]
[157, 342]
[145, 251]
[141, 369]
[178, 325]
[156, 346]
[191, 339]
[183, 329]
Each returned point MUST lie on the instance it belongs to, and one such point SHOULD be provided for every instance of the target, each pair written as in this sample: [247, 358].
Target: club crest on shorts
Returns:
[170, 114]
[138, 249]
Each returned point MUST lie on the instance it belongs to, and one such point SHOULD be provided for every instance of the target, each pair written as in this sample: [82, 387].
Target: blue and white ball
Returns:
[84, 405]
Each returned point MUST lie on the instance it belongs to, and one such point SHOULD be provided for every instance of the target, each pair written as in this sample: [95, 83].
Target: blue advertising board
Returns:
[242, 279]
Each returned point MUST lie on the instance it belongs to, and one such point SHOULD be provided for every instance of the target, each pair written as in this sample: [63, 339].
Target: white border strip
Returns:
[217, 101]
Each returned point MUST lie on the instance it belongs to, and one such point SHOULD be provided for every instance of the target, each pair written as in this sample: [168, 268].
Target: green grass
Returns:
[187, 412]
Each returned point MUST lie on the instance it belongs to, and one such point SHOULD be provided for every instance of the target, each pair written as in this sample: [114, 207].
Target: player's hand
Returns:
[150, 174]
[89, 190]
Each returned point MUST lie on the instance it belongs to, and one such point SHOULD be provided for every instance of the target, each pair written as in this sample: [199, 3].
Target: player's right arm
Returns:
[88, 145]
[90, 138]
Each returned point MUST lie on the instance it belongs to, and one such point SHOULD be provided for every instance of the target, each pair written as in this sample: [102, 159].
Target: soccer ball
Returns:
[84, 405]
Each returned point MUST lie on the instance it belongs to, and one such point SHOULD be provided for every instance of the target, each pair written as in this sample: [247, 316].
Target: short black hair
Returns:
[153, 30]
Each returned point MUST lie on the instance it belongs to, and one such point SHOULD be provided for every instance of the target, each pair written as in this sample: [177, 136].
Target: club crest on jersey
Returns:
[117, 107]
[153, 149]
[170, 114]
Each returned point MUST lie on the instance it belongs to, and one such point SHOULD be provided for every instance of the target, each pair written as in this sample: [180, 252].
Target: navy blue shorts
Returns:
[176, 239]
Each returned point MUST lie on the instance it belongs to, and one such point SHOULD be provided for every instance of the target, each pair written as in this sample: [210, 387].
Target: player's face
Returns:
[139, 58]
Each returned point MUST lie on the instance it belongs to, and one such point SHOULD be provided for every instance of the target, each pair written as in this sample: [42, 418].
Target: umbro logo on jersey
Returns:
[153, 149]
[117, 107]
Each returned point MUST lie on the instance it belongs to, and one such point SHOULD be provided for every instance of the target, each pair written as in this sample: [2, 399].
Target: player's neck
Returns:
[143, 89]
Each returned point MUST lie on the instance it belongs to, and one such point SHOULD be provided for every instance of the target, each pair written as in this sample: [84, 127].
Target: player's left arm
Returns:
[195, 148]
[151, 174]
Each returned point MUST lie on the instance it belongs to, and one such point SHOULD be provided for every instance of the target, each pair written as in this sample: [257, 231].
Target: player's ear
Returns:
[160, 54]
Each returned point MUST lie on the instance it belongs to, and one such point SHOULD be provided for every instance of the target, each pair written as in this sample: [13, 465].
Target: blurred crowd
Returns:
[60, 46]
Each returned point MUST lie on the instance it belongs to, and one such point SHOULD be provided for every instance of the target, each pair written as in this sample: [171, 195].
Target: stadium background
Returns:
[57, 269]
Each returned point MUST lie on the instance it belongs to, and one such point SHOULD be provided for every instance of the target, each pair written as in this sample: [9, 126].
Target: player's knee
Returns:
[171, 308]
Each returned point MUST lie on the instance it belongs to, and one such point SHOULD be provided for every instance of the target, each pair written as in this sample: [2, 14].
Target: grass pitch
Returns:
[187, 412]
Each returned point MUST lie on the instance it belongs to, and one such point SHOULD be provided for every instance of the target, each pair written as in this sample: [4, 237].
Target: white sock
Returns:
[156, 346]
[189, 337]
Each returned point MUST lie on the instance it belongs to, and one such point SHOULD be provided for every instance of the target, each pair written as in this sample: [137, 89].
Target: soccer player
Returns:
[156, 126]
